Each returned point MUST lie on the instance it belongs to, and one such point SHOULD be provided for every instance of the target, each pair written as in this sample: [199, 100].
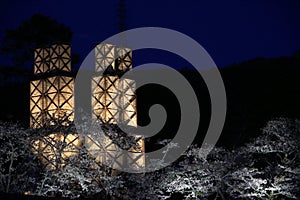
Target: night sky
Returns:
[231, 31]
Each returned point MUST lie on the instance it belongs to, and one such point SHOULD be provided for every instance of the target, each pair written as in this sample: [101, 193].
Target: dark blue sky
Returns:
[231, 31]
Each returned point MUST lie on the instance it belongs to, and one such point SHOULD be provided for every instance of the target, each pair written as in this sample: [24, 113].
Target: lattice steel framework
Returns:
[114, 100]
[51, 95]
[57, 57]
[51, 98]
[52, 102]
[55, 149]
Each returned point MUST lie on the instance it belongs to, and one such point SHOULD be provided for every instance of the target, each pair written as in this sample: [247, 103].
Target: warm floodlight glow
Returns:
[52, 104]
[60, 57]
[104, 56]
[41, 60]
[52, 95]
[113, 101]
[57, 57]
[105, 151]
[124, 58]
[55, 149]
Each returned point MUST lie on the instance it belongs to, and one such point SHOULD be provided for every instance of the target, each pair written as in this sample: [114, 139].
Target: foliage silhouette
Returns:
[38, 31]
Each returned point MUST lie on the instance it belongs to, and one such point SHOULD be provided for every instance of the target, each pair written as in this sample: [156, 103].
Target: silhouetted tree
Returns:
[17, 47]
[39, 30]
[18, 44]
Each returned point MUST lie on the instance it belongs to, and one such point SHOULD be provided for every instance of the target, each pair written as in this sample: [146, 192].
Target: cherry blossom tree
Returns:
[267, 167]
